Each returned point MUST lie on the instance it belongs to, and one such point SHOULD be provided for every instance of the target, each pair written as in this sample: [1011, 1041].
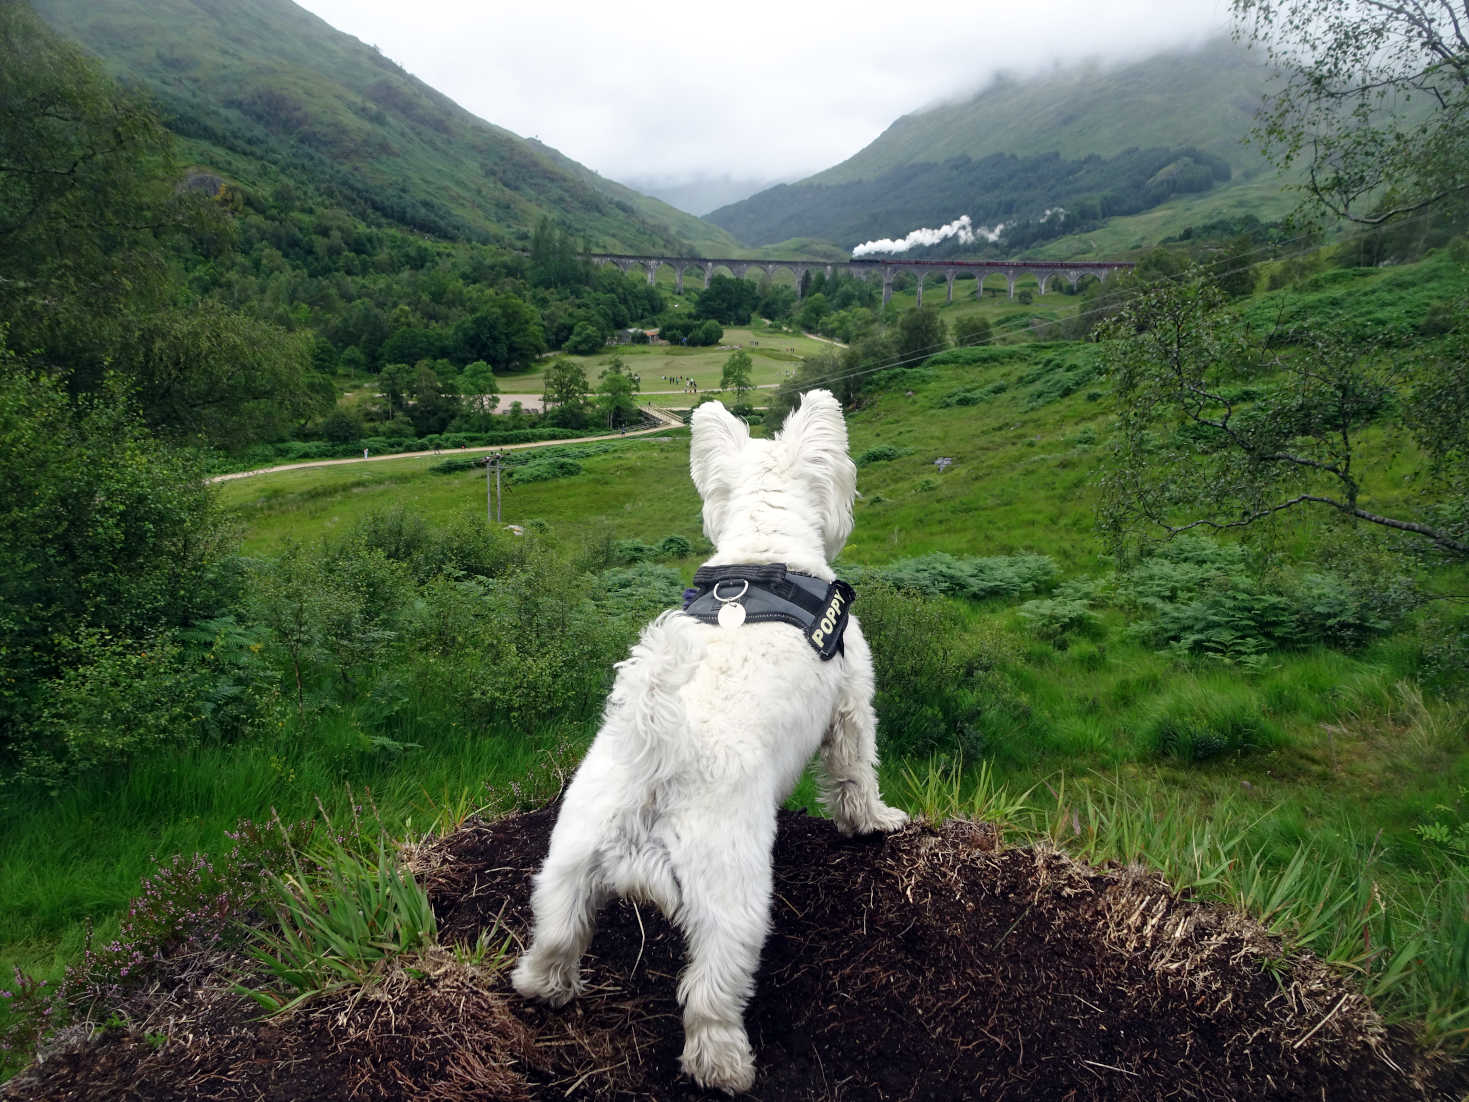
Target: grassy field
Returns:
[1342, 771]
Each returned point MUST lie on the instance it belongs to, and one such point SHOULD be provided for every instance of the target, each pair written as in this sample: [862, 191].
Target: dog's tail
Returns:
[645, 697]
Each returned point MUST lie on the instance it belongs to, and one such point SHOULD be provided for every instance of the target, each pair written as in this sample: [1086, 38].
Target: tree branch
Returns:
[1442, 539]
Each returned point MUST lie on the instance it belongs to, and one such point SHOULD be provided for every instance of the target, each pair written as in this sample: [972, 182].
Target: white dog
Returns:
[707, 730]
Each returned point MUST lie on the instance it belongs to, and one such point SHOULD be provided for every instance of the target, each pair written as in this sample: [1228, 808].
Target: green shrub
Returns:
[973, 396]
[1055, 618]
[675, 547]
[624, 552]
[543, 470]
[942, 574]
[931, 679]
[638, 591]
[1201, 598]
[882, 453]
[117, 699]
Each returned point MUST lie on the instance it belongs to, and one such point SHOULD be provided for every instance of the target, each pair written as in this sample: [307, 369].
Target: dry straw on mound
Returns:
[934, 964]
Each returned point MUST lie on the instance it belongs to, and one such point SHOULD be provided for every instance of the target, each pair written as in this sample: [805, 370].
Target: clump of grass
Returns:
[1196, 722]
[340, 916]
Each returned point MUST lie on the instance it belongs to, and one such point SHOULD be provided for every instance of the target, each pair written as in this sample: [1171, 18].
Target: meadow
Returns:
[1315, 774]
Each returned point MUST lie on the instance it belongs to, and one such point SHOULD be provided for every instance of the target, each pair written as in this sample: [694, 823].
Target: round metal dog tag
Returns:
[731, 615]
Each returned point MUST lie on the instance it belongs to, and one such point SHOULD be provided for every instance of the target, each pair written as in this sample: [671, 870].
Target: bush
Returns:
[973, 396]
[1069, 611]
[342, 426]
[638, 592]
[1202, 599]
[626, 552]
[934, 682]
[883, 453]
[119, 698]
[543, 470]
[675, 547]
[975, 578]
[106, 535]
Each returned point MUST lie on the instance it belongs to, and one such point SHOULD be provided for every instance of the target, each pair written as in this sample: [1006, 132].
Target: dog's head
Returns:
[800, 484]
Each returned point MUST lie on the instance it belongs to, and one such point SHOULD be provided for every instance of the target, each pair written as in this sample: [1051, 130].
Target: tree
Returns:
[615, 389]
[209, 374]
[342, 425]
[477, 383]
[728, 300]
[1374, 102]
[585, 340]
[813, 310]
[84, 189]
[971, 330]
[920, 334]
[706, 334]
[736, 376]
[105, 532]
[565, 395]
[1220, 428]
[435, 397]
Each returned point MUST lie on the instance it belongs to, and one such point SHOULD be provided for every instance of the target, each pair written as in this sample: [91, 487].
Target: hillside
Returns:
[265, 93]
[1100, 143]
[1204, 98]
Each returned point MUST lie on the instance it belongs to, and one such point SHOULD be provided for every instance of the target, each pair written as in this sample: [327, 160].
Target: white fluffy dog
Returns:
[706, 732]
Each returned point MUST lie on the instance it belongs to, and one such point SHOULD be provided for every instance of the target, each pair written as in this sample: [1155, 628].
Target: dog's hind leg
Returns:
[849, 751]
[724, 874]
[569, 890]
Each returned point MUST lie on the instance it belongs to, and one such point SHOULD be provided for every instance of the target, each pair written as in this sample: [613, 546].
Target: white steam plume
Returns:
[961, 227]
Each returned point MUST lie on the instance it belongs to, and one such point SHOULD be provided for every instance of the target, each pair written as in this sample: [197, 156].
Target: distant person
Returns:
[364, 453]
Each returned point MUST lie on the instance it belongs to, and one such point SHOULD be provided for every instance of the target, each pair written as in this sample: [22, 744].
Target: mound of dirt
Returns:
[933, 964]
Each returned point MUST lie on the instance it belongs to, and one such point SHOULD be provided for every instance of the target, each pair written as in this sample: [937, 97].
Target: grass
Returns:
[773, 354]
[1287, 787]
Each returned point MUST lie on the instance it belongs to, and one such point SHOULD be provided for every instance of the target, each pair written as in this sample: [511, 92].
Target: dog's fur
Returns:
[706, 732]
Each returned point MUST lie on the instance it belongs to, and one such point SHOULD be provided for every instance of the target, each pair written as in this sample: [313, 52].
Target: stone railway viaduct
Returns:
[1044, 270]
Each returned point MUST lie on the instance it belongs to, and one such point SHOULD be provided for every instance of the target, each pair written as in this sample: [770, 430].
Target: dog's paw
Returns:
[555, 982]
[881, 820]
[720, 1057]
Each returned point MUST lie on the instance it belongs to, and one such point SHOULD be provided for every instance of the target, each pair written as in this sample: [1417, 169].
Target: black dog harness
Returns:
[760, 593]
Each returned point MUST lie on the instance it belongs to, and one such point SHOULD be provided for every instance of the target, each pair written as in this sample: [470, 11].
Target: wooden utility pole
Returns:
[492, 492]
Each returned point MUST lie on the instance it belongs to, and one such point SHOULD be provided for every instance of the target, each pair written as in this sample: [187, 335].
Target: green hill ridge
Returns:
[266, 93]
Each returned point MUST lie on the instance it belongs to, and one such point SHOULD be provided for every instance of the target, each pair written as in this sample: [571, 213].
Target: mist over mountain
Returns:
[1043, 157]
[265, 93]
[698, 195]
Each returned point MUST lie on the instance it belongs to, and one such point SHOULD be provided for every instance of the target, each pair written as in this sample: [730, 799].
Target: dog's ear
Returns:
[719, 437]
[816, 436]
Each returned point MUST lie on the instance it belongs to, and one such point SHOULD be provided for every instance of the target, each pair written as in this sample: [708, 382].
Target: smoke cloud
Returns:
[962, 228]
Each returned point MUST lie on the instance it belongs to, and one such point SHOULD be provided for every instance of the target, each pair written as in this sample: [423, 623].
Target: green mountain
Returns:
[1100, 143]
[265, 93]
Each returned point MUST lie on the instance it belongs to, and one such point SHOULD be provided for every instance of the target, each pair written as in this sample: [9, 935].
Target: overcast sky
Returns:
[760, 89]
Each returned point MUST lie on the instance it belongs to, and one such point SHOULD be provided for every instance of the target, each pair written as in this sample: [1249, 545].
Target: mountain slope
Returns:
[1204, 98]
[1100, 142]
[267, 93]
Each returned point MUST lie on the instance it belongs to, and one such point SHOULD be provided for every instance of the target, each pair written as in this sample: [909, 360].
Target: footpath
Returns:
[665, 419]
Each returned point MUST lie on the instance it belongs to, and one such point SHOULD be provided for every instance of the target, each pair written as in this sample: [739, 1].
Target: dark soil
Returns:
[930, 965]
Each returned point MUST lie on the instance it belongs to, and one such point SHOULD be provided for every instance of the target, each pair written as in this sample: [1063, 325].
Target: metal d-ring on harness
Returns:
[769, 592]
[731, 612]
